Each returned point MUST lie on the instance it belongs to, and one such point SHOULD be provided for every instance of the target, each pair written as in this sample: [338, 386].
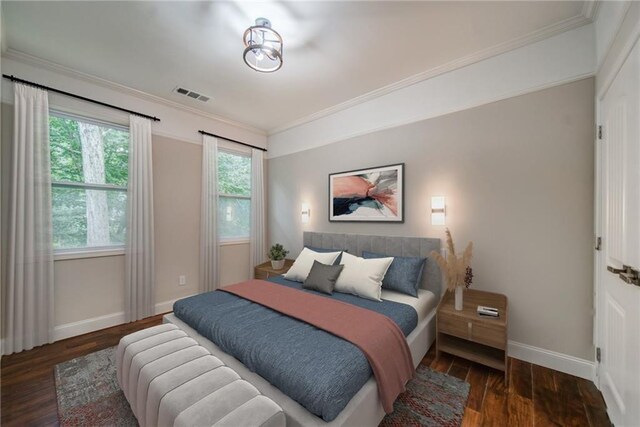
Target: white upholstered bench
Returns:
[170, 380]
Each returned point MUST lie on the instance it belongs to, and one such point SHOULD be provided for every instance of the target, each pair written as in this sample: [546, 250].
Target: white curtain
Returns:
[29, 288]
[139, 259]
[257, 246]
[209, 251]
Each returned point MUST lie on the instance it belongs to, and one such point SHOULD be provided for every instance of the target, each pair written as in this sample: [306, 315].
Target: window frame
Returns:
[233, 240]
[61, 254]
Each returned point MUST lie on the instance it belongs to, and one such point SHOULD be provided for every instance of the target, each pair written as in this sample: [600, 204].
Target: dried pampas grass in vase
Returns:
[454, 268]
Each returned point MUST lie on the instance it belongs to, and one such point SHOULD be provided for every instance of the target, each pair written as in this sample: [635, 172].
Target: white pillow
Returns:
[362, 277]
[302, 265]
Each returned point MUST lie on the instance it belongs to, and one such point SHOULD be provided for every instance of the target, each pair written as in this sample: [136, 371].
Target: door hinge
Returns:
[600, 132]
[598, 355]
[598, 243]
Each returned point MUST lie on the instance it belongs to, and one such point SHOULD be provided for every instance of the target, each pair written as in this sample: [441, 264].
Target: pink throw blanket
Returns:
[377, 336]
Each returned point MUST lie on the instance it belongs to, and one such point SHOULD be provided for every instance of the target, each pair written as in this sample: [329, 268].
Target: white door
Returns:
[618, 302]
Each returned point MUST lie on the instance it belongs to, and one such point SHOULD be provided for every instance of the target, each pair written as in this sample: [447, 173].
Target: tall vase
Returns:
[458, 297]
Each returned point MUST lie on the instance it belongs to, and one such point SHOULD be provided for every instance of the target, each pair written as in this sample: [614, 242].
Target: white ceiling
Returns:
[333, 51]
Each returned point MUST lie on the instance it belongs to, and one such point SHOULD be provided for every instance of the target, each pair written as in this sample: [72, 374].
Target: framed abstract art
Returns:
[367, 195]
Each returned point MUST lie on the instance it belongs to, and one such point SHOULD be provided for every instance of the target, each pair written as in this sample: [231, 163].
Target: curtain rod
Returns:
[232, 140]
[72, 95]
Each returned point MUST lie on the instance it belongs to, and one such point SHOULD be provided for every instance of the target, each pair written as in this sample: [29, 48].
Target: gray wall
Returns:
[518, 176]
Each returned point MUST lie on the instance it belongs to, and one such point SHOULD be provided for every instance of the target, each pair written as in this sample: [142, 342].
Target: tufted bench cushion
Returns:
[170, 380]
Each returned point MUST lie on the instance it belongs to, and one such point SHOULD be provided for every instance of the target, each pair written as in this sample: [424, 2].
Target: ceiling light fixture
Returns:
[263, 47]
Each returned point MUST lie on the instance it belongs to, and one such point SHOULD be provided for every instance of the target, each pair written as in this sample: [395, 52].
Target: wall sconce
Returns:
[306, 212]
[438, 210]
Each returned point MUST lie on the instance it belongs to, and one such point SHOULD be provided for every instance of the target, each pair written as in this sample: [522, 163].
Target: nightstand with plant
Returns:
[277, 265]
[461, 328]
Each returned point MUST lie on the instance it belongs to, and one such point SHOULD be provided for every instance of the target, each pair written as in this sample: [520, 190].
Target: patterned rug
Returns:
[432, 399]
[88, 392]
[89, 395]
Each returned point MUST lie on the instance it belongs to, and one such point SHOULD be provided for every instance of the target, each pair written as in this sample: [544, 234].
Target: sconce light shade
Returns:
[438, 210]
[306, 212]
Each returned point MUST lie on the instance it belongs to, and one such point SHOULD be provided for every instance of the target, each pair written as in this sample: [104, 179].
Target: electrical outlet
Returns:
[182, 280]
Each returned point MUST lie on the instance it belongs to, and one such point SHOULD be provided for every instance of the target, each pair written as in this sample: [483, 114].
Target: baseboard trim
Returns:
[80, 327]
[167, 306]
[553, 360]
[73, 329]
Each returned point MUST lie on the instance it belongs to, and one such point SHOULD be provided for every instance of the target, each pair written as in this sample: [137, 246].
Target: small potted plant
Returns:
[277, 254]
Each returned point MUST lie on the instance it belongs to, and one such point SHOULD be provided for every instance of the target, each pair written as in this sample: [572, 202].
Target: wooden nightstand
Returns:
[264, 270]
[466, 334]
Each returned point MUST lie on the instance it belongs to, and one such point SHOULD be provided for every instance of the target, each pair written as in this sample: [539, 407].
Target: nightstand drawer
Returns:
[456, 326]
[480, 332]
[493, 336]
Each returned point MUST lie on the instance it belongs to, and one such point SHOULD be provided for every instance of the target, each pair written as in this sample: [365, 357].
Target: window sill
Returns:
[232, 242]
[88, 253]
[99, 253]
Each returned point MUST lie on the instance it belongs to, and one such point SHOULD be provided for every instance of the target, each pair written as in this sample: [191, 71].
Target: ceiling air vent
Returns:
[191, 94]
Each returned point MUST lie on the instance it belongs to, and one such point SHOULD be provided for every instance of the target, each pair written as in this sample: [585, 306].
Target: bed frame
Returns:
[365, 408]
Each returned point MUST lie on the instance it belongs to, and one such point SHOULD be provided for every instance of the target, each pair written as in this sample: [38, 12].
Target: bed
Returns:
[359, 406]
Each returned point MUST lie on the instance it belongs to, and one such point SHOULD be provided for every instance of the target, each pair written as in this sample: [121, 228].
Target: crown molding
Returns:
[418, 118]
[536, 36]
[552, 61]
[590, 9]
[606, 77]
[587, 15]
[615, 30]
[25, 58]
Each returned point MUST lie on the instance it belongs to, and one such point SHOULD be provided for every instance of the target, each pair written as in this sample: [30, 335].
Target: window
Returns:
[89, 172]
[234, 191]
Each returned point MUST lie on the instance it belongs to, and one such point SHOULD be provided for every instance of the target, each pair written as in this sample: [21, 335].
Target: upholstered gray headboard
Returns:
[388, 245]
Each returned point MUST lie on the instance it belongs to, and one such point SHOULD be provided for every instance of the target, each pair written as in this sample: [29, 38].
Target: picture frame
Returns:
[367, 195]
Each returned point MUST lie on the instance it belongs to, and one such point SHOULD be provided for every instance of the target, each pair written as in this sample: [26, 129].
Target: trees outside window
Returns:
[89, 174]
[234, 191]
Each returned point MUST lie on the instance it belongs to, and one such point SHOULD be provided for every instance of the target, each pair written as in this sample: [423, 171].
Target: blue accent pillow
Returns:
[404, 273]
[322, 250]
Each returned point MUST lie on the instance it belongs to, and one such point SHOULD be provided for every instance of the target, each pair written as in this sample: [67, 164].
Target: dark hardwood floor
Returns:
[27, 386]
[535, 396]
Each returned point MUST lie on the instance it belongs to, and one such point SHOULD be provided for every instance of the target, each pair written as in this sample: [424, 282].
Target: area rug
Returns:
[432, 399]
[88, 392]
[89, 395]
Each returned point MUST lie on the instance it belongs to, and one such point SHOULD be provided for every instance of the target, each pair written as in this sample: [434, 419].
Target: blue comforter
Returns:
[318, 370]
